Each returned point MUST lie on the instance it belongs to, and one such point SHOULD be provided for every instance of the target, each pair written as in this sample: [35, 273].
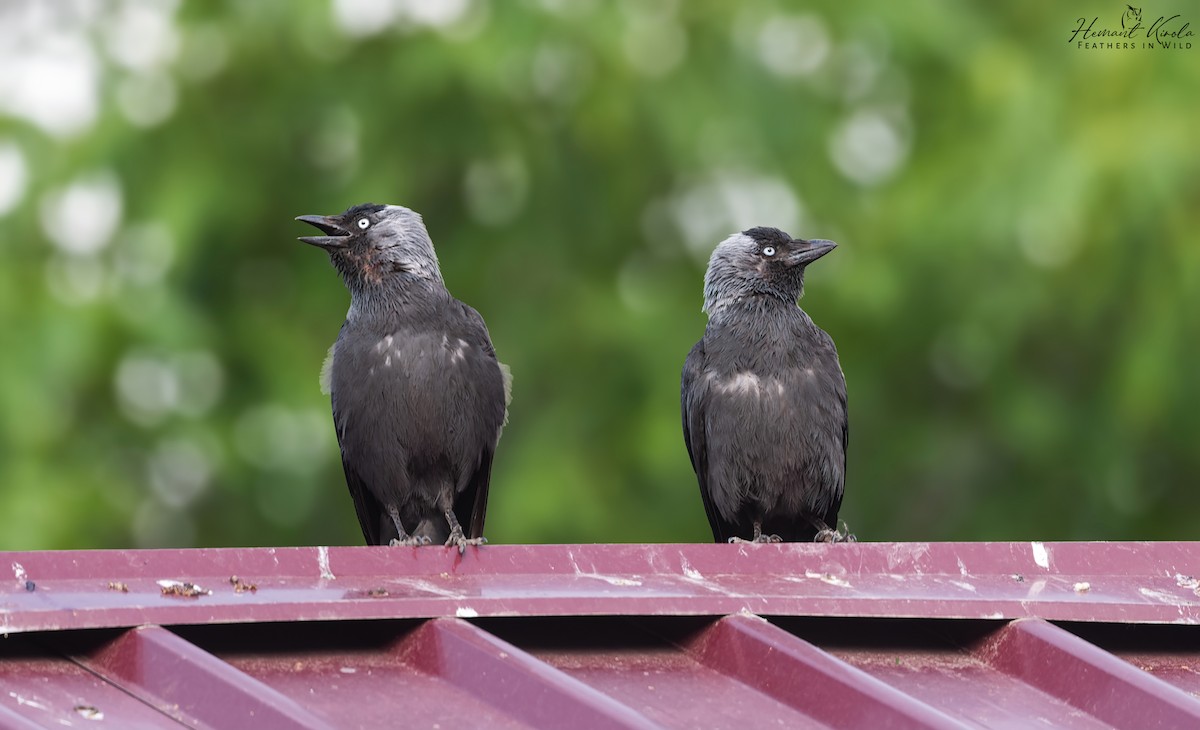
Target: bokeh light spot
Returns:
[147, 100]
[868, 148]
[178, 471]
[51, 78]
[496, 189]
[280, 439]
[793, 45]
[730, 201]
[14, 175]
[141, 36]
[81, 217]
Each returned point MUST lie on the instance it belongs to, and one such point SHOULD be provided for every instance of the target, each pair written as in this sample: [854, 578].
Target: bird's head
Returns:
[759, 262]
[376, 244]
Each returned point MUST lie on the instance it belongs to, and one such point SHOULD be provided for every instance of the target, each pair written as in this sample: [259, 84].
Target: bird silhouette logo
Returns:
[1132, 17]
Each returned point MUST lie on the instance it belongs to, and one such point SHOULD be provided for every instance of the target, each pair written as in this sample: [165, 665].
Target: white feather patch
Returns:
[506, 376]
[327, 372]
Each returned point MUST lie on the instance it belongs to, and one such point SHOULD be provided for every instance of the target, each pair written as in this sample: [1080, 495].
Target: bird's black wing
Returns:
[470, 505]
[835, 370]
[693, 397]
[368, 509]
[475, 496]
[831, 515]
[370, 512]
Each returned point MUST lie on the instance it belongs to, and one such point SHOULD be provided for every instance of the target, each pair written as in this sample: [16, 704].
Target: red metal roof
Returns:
[793, 635]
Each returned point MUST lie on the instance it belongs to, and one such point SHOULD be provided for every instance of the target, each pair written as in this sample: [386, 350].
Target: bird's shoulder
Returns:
[778, 347]
[431, 313]
[471, 325]
[694, 363]
[694, 379]
[450, 337]
[807, 331]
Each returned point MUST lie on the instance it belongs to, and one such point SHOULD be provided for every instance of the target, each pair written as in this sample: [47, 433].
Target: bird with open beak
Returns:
[419, 398]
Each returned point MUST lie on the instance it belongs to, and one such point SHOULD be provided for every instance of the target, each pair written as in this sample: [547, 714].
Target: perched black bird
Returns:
[419, 398]
[764, 398]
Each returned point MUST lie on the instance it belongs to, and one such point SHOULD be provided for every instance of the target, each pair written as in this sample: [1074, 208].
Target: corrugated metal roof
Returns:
[1085, 635]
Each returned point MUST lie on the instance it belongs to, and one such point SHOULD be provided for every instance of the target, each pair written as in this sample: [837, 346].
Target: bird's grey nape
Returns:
[406, 240]
[734, 273]
[397, 240]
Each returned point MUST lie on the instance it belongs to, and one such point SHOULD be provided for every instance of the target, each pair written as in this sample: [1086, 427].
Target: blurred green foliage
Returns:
[1015, 297]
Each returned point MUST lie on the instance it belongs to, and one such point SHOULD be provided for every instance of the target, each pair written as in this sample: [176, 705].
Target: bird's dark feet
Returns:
[457, 538]
[759, 540]
[403, 539]
[759, 537]
[409, 541]
[842, 534]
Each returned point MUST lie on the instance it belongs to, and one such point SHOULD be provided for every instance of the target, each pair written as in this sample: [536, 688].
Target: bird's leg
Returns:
[457, 537]
[844, 534]
[404, 538]
[759, 537]
[827, 534]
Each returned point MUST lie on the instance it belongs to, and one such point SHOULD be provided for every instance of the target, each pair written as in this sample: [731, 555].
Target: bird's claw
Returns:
[758, 540]
[457, 538]
[412, 541]
[842, 534]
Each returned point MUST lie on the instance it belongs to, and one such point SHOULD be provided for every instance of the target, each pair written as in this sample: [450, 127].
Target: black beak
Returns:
[806, 252]
[335, 236]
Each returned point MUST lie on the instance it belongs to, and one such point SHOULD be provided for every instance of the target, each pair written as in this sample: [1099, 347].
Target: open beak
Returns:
[806, 252]
[335, 236]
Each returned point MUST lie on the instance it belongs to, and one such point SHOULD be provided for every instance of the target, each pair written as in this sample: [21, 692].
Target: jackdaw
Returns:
[418, 396]
[764, 398]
